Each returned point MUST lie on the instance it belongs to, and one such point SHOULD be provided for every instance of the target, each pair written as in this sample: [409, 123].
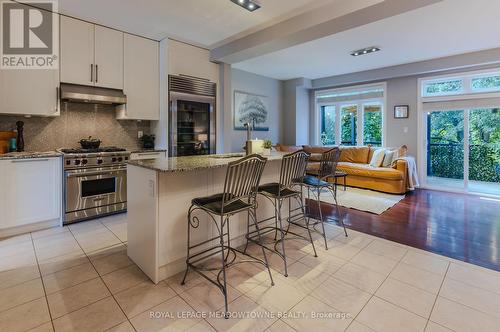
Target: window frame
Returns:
[360, 111]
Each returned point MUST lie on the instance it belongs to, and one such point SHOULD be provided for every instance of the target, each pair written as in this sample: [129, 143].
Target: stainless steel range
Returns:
[95, 182]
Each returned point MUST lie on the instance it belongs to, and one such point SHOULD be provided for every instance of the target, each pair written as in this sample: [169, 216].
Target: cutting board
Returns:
[5, 137]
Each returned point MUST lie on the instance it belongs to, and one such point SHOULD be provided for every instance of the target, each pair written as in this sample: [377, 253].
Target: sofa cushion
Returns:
[367, 171]
[315, 157]
[287, 148]
[316, 149]
[355, 154]
[377, 158]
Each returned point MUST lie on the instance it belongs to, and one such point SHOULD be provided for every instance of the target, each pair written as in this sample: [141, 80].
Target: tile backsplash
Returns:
[77, 121]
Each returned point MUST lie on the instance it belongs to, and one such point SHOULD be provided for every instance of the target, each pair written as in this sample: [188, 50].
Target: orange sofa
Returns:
[355, 161]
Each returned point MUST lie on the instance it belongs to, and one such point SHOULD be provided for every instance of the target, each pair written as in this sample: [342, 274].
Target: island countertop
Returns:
[30, 155]
[191, 163]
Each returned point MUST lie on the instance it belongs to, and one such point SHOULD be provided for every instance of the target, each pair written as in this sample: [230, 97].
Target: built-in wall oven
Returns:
[191, 116]
[95, 184]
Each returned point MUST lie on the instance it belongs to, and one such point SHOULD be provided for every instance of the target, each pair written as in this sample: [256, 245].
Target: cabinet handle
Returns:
[57, 100]
[91, 72]
[29, 160]
[96, 73]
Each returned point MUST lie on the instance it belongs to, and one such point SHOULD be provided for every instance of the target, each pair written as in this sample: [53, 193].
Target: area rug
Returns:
[361, 199]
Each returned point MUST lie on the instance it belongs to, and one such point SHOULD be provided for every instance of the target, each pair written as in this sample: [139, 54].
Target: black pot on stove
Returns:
[90, 143]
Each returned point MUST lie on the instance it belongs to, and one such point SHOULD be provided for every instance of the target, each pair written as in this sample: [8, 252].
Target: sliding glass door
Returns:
[484, 151]
[445, 148]
[463, 149]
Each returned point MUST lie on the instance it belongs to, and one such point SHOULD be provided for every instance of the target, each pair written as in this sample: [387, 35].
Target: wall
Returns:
[402, 91]
[297, 114]
[77, 121]
[260, 85]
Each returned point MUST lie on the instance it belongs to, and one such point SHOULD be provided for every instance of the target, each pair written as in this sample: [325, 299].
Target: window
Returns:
[459, 120]
[349, 128]
[351, 116]
[327, 125]
[462, 85]
[372, 124]
[447, 87]
[489, 83]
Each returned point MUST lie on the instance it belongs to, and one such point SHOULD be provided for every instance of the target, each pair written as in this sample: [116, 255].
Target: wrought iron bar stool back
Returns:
[292, 172]
[240, 191]
[327, 170]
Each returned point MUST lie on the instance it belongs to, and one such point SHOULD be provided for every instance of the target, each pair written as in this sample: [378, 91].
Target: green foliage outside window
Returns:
[372, 127]
[348, 125]
[446, 145]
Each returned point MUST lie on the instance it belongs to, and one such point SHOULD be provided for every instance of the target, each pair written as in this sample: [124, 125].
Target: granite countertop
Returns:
[147, 150]
[29, 155]
[192, 163]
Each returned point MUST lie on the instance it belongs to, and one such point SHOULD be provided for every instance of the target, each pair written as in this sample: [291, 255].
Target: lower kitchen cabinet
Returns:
[30, 195]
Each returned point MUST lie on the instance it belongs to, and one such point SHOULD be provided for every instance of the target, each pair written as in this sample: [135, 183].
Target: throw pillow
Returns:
[388, 158]
[377, 158]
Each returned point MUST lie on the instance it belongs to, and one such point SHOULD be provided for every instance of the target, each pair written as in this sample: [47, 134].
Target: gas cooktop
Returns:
[99, 150]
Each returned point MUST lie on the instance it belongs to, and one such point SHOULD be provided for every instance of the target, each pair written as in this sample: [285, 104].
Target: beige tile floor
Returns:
[79, 278]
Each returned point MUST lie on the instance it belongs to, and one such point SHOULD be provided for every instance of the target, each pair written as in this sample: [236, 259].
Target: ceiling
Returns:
[201, 22]
[443, 29]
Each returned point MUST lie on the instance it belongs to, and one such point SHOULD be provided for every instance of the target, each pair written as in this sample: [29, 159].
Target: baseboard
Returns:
[18, 230]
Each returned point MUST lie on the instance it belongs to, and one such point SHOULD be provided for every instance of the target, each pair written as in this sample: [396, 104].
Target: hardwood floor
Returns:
[459, 226]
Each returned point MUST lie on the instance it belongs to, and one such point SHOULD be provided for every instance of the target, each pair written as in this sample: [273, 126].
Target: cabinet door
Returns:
[31, 191]
[29, 92]
[141, 79]
[77, 51]
[108, 58]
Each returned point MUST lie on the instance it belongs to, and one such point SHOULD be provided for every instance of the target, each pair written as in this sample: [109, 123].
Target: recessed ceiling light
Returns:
[365, 51]
[250, 5]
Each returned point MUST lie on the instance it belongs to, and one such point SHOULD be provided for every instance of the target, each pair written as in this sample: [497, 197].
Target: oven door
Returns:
[91, 188]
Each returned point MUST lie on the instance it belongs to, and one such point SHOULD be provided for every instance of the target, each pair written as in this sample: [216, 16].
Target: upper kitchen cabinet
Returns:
[141, 79]
[91, 54]
[77, 51]
[108, 58]
[185, 59]
[29, 91]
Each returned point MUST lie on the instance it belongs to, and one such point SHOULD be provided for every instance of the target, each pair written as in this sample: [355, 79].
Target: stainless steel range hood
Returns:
[92, 95]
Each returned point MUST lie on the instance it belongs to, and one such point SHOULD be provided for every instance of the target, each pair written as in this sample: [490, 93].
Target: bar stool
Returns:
[318, 183]
[293, 168]
[240, 191]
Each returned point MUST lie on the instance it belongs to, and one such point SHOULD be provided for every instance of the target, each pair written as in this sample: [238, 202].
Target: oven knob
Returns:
[77, 161]
[120, 159]
[68, 162]
[113, 159]
[126, 158]
[99, 161]
[84, 161]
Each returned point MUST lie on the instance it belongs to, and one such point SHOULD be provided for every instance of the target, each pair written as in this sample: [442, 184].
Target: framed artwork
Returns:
[252, 108]
[401, 111]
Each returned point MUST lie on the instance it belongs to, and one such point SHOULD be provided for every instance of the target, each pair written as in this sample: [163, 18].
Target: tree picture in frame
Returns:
[250, 108]
[401, 111]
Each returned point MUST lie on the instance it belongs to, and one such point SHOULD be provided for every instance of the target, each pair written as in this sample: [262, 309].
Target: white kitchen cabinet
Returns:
[31, 192]
[77, 51]
[91, 54]
[29, 92]
[141, 79]
[108, 58]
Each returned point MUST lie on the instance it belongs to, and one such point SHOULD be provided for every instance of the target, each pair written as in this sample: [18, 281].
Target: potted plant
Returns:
[267, 145]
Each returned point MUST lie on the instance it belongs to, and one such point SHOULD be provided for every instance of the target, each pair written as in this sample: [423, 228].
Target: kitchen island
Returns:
[159, 193]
